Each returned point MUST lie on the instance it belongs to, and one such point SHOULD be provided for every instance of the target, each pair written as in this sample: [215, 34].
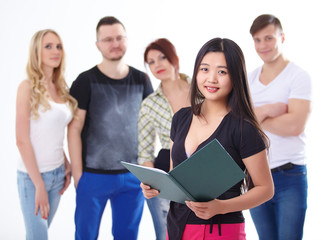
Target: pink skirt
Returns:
[234, 231]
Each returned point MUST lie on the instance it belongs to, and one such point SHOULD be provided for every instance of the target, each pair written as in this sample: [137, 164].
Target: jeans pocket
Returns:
[79, 184]
[296, 171]
[25, 185]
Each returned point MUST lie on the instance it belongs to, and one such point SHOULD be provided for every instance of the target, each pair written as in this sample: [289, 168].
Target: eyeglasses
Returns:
[110, 40]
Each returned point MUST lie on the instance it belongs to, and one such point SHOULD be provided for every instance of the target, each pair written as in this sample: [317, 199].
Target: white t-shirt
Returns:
[47, 137]
[291, 83]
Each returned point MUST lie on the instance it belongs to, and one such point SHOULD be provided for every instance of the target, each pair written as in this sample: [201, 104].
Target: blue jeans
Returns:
[158, 208]
[36, 226]
[282, 218]
[127, 202]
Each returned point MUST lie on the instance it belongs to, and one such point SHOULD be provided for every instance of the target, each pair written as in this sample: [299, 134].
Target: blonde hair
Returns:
[36, 76]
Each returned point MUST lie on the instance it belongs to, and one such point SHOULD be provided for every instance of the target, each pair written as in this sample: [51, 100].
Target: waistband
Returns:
[55, 170]
[286, 166]
[100, 171]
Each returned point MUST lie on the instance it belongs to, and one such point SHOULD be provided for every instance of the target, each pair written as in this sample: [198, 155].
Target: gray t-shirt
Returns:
[110, 130]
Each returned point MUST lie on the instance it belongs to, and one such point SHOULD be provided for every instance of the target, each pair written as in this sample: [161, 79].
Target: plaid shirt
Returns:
[155, 118]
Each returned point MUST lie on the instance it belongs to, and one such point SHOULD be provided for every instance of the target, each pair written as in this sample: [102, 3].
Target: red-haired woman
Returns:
[156, 115]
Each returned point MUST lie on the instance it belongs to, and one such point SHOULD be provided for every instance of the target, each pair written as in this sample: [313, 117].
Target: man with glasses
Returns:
[104, 133]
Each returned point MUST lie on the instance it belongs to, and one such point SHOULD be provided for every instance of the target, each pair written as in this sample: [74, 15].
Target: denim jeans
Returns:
[158, 208]
[36, 226]
[127, 202]
[282, 218]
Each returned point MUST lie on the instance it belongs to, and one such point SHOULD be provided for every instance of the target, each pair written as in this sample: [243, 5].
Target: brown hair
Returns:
[109, 20]
[263, 21]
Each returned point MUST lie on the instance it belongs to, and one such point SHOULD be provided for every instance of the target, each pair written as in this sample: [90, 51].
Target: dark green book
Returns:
[202, 177]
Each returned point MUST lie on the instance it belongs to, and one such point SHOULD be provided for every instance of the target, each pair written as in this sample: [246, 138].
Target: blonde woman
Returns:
[44, 108]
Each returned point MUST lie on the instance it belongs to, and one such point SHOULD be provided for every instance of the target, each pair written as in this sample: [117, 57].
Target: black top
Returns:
[239, 138]
[109, 135]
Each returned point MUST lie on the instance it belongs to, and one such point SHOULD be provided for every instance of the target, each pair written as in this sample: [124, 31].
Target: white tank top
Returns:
[47, 136]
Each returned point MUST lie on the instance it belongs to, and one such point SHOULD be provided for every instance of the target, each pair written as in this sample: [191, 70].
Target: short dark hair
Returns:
[109, 20]
[263, 21]
[167, 48]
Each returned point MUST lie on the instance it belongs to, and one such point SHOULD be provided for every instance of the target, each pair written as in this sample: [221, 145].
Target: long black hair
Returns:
[239, 99]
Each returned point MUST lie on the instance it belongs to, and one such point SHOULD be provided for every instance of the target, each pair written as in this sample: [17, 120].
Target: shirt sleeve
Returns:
[148, 89]
[301, 87]
[81, 91]
[251, 142]
[146, 135]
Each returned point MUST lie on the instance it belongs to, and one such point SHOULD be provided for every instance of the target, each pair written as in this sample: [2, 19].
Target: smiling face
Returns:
[51, 51]
[213, 79]
[159, 65]
[268, 43]
[112, 41]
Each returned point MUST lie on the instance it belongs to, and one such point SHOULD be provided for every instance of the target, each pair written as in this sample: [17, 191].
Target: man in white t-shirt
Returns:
[281, 92]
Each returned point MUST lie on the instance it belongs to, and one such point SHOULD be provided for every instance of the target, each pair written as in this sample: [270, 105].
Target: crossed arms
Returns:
[284, 119]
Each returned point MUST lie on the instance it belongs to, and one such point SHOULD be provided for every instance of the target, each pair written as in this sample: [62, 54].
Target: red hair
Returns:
[167, 48]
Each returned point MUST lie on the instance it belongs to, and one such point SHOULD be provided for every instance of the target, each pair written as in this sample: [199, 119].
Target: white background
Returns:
[188, 24]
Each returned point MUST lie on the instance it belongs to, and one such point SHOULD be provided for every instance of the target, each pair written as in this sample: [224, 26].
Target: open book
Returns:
[202, 177]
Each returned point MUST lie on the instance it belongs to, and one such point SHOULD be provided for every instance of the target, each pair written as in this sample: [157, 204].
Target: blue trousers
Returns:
[282, 218]
[127, 201]
[158, 208]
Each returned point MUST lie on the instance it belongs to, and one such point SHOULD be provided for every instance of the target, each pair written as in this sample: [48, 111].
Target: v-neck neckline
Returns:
[275, 79]
[203, 143]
